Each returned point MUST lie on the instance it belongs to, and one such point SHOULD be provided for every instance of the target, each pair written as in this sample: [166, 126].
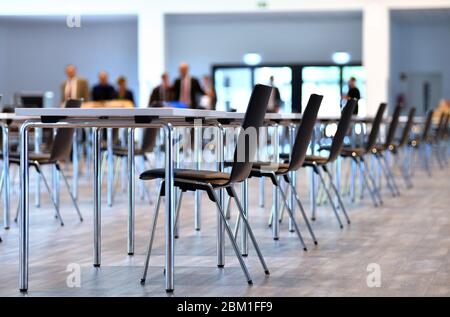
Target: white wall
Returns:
[37, 50]
[224, 39]
[421, 47]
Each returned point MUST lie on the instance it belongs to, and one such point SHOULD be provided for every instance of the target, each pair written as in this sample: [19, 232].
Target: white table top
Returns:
[126, 113]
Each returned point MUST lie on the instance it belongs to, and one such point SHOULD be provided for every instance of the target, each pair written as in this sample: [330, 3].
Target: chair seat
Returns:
[277, 168]
[41, 158]
[311, 160]
[211, 177]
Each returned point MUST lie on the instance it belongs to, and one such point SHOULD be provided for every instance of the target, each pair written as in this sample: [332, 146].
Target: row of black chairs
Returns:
[210, 181]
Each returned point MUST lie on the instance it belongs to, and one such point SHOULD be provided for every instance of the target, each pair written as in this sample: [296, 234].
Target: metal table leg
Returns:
[37, 142]
[6, 211]
[97, 196]
[313, 180]
[197, 156]
[170, 208]
[220, 222]
[293, 175]
[24, 210]
[75, 163]
[131, 190]
[110, 176]
[275, 192]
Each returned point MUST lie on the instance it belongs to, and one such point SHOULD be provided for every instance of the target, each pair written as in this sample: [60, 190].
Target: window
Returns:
[234, 85]
[233, 88]
[322, 80]
[282, 80]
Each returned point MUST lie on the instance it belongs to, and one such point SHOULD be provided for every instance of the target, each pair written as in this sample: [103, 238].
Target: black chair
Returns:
[60, 151]
[274, 171]
[358, 155]
[388, 145]
[402, 143]
[209, 181]
[336, 146]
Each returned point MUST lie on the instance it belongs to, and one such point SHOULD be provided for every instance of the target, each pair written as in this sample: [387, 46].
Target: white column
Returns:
[151, 47]
[376, 38]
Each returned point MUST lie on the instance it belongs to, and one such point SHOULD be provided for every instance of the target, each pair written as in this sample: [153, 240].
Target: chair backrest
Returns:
[427, 126]
[62, 144]
[342, 129]
[393, 126]
[245, 150]
[149, 139]
[407, 129]
[375, 127]
[304, 132]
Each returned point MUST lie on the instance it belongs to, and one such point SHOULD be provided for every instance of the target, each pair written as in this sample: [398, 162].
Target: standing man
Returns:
[275, 97]
[74, 87]
[353, 92]
[103, 90]
[187, 89]
[162, 92]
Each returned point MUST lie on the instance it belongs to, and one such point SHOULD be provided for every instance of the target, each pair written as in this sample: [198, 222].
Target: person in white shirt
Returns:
[187, 89]
[74, 87]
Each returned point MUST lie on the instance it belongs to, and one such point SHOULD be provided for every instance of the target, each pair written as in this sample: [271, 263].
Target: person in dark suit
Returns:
[162, 92]
[353, 92]
[103, 90]
[275, 101]
[123, 93]
[187, 89]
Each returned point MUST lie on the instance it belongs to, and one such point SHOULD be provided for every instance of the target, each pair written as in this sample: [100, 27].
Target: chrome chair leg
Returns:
[74, 201]
[250, 231]
[302, 211]
[366, 182]
[294, 223]
[374, 186]
[152, 234]
[390, 174]
[231, 237]
[177, 215]
[330, 199]
[386, 176]
[38, 169]
[333, 186]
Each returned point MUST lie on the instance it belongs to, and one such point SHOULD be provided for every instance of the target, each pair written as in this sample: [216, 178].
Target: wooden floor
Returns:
[409, 238]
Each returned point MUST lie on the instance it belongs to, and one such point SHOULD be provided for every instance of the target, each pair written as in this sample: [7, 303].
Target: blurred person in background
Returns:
[161, 93]
[187, 89]
[103, 90]
[353, 92]
[208, 101]
[123, 93]
[275, 101]
[74, 87]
